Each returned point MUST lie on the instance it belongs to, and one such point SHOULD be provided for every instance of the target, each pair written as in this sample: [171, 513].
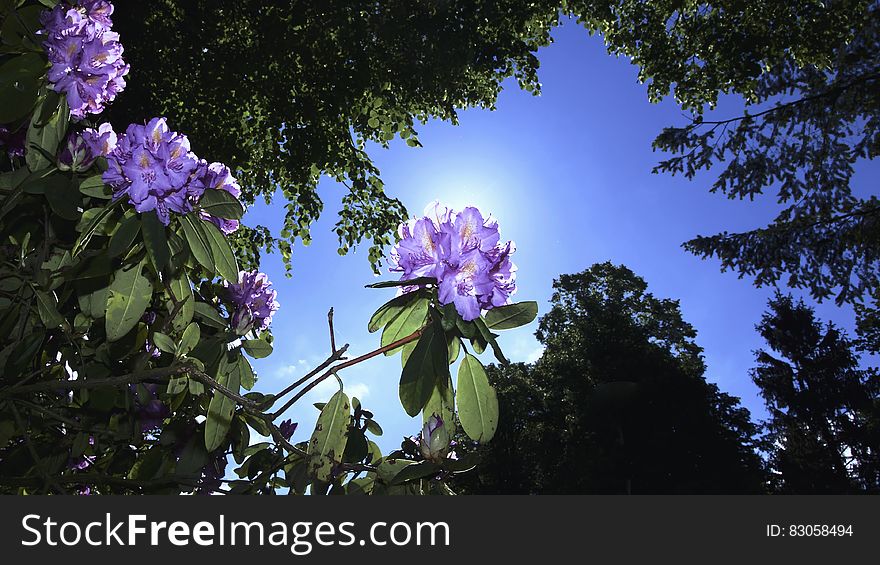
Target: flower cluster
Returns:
[463, 252]
[86, 56]
[156, 169]
[218, 177]
[253, 301]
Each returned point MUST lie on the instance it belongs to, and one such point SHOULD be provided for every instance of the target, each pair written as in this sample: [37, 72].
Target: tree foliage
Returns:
[289, 91]
[808, 73]
[824, 425]
[617, 403]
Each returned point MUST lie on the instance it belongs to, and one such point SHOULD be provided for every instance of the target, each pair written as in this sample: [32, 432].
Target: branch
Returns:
[834, 90]
[337, 355]
[403, 341]
[161, 373]
[47, 478]
[81, 383]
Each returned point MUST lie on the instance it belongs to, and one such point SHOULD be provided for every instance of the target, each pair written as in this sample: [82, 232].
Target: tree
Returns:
[295, 90]
[617, 403]
[824, 426]
[808, 73]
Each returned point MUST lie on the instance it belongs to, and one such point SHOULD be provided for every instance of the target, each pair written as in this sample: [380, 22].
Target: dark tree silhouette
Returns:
[824, 425]
[617, 403]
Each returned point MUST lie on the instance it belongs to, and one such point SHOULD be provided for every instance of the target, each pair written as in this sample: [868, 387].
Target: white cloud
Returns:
[361, 390]
[535, 354]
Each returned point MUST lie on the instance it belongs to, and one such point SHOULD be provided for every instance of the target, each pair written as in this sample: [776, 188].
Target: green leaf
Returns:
[130, 294]
[43, 139]
[164, 342]
[177, 384]
[511, 316]
[356, 447]
[94, 304]
[181, 291]
[155, 240]
[405, 352]
[197, 239]
[189, 339]
[12, 179]
[124, 236]
[442, 403]
[224, 257]
[246, 374]
[91, 226]
[374, 428]
[20, 79]
[327, 443]
[454, 343]
[47, 306]
[94, 187]
[389, 311]
[209, 315]
[62, 196]
[409, 320]
[257, 348]
[426, 366]
[221, 204]
[222, 408]
[390, 468]
[18, 29]
[409, 282]
[489, 338]
[477, 401]
[418, 470]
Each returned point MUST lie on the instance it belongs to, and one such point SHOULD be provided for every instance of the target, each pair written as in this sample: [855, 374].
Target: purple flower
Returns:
[13, 141]
[253, 301]
[85, 56]
[463, 252]
[150, 410]
[434, 439]
[287, 428]
[217, 176]
[155, 168]
[102, 141]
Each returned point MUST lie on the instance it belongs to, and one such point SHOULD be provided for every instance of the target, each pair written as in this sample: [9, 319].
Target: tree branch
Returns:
[403, 341]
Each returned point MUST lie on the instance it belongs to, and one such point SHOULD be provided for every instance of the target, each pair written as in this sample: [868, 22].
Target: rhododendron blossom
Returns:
[253, 301]
[155, 168]
[463, 252]
[86, 57]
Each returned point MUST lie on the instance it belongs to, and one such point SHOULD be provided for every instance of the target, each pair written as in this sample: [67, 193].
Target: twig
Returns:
[332, 333]
[34, 455]
[403, 341]
[327, 362]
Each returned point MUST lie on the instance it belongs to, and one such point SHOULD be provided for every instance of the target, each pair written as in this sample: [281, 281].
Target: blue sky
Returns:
[568, 176]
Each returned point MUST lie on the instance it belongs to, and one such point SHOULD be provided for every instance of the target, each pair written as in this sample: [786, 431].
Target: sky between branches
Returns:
[568, 176]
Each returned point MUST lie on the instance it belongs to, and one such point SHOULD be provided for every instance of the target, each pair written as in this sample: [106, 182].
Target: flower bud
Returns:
[77, 155]
[287, 428]
[434, 443]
